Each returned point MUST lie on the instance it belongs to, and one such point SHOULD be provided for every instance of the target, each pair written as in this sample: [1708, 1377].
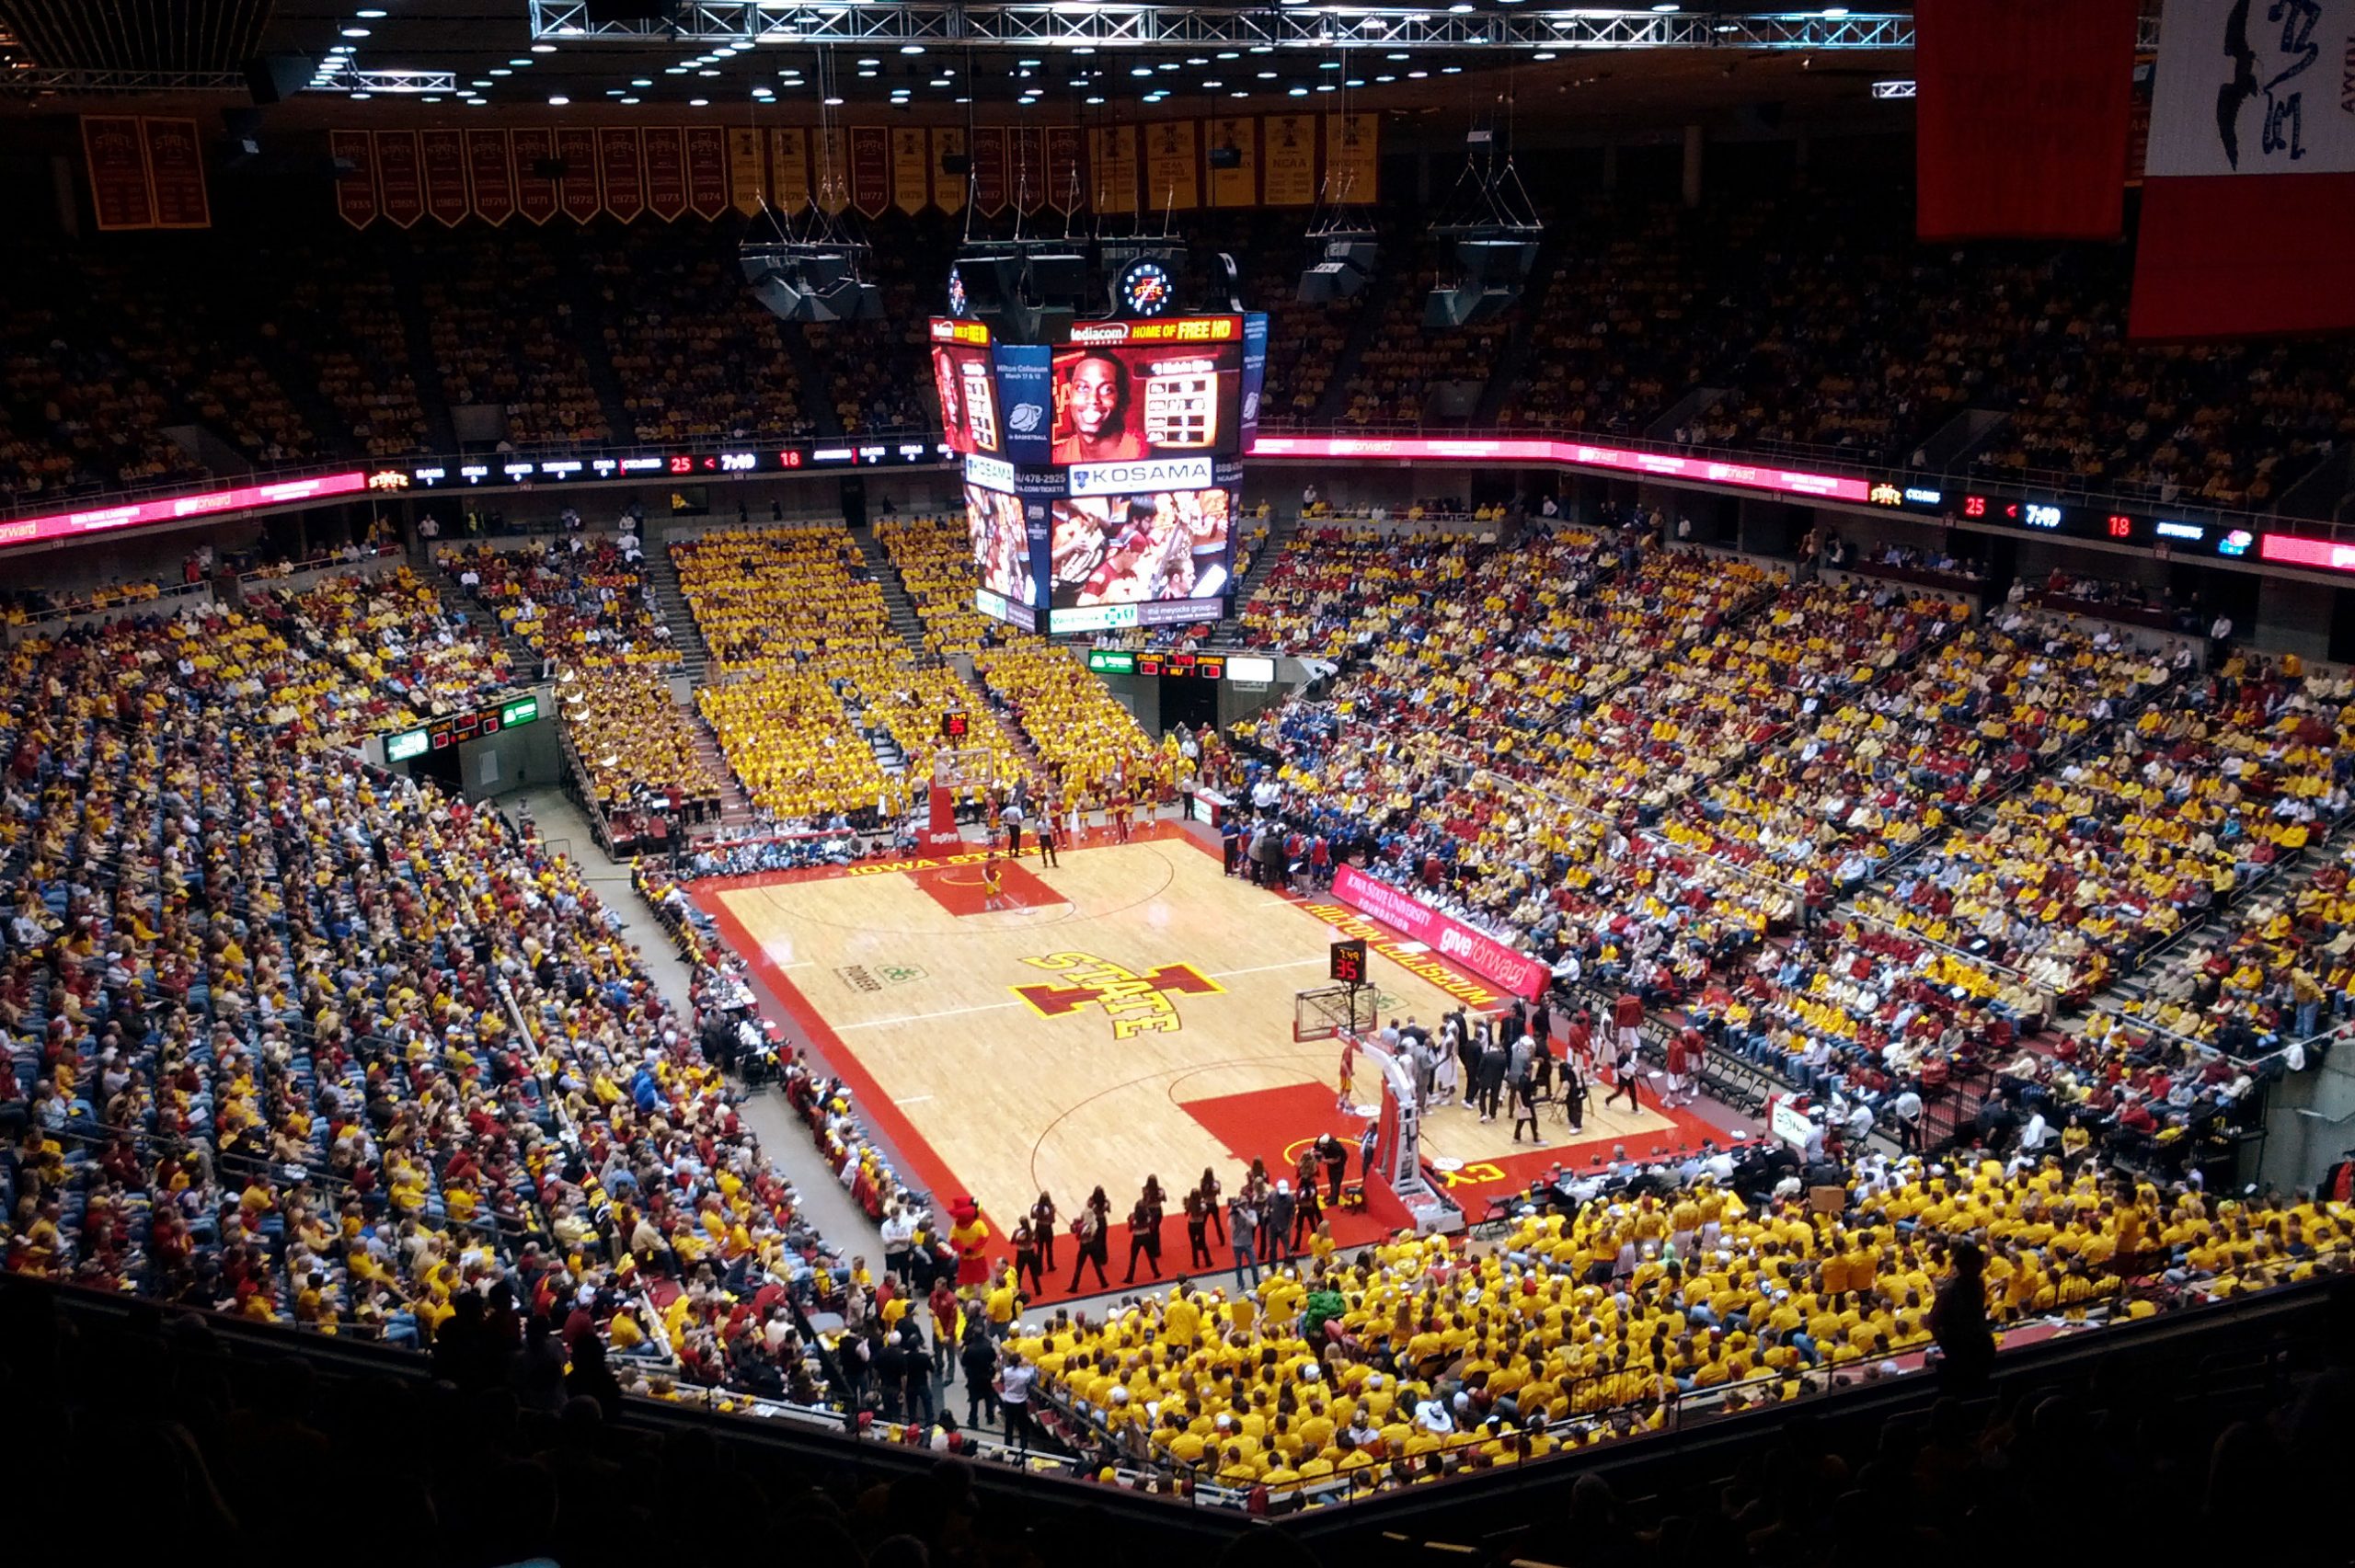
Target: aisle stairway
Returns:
[735, 806]
[522, 657]
[694, 655]
[905, 620]
[1280, 528]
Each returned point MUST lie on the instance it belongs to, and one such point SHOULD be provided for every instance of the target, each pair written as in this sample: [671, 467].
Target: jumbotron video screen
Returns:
[1101, 474]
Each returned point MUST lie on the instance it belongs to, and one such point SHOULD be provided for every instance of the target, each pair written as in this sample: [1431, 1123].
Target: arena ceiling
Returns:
[936, 61]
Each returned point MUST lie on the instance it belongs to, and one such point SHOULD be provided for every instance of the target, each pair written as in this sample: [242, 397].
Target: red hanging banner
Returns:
[1066, 177]
[488, 173]
[399, 182]
[988, 170]
[355, 188]
[870, 169]
[117, 164]
[534, 151]
[707, 157]
[666, 171]
[443, 156]
[576, 149]
[1030, 167]
[2050, 164]
[622, 160]
[176, 174]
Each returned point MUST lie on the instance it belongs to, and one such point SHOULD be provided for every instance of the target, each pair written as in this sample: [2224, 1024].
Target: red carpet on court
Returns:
[958, 888]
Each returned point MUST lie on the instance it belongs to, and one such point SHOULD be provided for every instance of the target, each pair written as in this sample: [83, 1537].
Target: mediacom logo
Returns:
[1141, 476]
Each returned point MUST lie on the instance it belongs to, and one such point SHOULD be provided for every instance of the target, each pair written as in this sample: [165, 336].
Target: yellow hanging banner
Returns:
[1288, 169]
[911, 184]
[788, 170]
[948, 190]
[1238, 187]
[747, 177]
[830, 168]
[1171, 164]
[1112, 155]
[1353, 158]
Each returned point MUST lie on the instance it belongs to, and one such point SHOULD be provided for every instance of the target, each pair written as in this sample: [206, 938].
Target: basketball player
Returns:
[1348, 1071]
[1095, 408]
[993, 884]
[1120, 818]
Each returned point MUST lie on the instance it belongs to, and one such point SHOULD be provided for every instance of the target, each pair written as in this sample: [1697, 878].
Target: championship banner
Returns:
[665, 161]
[576, 149]
[747, 171]
[2248, 201]
[176, 174]
[829, 158]
[1112, 158]
[117, 157]
[1238, 187]
[2050, 165]
[1172, 177]
[948, 190]
[443, 156]
[911, 179]
[621, 171]
[707, 170]
[1353, 158]
[1288, 164]
[1029, 144]
[870, 170]
[788, 170]
[400, 181]
[1066, 180]
[355, 192]
[988, 170]
[535, 158]
[489, 176]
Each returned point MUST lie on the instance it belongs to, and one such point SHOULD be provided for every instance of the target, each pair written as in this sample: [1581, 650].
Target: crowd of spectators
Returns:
[696, 354]
[504, 337]
[1852, 831]
[934, 557]
[579, 600]
[1094, 752]
[1419, 1359]
[294, 1039]
[407, 657]
[1814, 321]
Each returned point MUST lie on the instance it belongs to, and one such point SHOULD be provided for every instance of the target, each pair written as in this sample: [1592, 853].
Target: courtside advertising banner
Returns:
[1450, 939]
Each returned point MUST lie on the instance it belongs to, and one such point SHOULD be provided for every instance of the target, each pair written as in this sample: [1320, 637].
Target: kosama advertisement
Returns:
[1450, 939]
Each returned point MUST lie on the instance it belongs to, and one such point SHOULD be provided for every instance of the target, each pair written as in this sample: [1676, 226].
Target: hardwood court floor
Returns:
[1131, 1014]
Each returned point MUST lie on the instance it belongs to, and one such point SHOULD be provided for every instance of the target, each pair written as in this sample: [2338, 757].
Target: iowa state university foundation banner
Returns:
[2248, 199]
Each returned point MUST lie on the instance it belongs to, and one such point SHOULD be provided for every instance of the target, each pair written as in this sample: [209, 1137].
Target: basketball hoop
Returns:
[970, 768]
[1323, 1013]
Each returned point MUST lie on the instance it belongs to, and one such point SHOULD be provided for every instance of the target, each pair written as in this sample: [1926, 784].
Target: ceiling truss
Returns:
[1147, 27]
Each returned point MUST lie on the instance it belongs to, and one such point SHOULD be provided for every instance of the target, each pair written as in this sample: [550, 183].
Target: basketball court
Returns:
[1132, 1011]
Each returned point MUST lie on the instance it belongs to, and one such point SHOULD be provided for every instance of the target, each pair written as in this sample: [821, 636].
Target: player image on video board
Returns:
[1138, 549]
[1000, 547]
[1120, 402]
[960, 375]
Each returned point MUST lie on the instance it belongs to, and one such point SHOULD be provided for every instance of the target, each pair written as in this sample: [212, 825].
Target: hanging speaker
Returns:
[273, 78]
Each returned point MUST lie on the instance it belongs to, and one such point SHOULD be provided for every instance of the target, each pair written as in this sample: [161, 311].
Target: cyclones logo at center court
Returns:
[1137, 1004]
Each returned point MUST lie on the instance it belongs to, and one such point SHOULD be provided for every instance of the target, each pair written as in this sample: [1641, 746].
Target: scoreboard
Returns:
[455, 730]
